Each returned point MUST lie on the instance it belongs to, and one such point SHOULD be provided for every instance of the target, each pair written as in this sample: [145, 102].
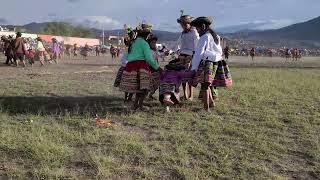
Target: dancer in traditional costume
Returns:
[55, 50]
[19, 50]
[211, 69]
[136, 77]
[187, 44]
[129, 37]
[40, 51]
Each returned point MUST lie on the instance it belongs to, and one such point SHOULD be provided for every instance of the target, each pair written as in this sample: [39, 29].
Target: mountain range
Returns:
[309, 31]
[254, 26]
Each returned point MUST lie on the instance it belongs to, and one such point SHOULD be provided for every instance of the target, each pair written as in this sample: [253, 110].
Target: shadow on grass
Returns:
[42, 105]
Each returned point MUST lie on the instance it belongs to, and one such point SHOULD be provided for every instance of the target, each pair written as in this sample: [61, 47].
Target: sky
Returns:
[113, 14]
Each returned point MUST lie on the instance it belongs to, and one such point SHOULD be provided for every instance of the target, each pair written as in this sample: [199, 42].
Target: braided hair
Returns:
[214, 35]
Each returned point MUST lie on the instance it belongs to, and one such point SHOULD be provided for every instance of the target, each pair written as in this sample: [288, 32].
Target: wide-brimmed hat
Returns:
[186, 19]
[144, 28]
[202, 20]
[39, 39]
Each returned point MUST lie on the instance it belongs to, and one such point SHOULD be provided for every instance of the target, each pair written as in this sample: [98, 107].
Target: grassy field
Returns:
[265, 127]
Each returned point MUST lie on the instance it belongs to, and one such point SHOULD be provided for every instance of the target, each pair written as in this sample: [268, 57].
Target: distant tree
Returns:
[66, 29]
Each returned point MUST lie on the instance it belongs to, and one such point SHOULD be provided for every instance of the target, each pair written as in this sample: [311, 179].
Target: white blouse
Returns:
[187, 42]
[207, 50]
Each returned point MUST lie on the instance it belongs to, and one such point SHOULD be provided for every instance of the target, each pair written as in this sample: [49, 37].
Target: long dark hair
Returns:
[214, 35]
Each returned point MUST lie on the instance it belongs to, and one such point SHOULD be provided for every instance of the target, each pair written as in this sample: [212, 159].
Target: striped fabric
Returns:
[223, 76]
[136, 77]
[217, 74]
[206, 73]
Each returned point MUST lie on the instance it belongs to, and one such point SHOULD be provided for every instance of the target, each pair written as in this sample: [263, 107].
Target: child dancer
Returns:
[187, 44]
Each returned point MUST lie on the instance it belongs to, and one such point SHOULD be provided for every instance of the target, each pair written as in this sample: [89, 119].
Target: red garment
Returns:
[137, 65]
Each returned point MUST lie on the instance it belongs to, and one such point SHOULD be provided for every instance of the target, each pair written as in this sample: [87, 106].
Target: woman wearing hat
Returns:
[130, 35]
[207, 55]
[40, 51]
[136, 77]
[187, 44]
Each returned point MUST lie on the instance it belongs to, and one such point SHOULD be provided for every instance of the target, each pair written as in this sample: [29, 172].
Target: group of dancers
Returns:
[200, 61]
[17, 53]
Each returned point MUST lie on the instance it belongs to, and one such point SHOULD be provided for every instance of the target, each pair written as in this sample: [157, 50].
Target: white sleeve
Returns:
[196, 39]
[177, 47]
[123, 59]
[201, 47]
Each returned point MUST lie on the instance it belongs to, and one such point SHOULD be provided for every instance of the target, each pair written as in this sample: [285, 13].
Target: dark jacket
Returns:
[19, 47]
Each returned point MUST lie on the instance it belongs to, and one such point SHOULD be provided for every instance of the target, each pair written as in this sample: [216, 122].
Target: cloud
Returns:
[52, 15]
[73, 1]
[270, 24]
[98, 22]
[3, 21]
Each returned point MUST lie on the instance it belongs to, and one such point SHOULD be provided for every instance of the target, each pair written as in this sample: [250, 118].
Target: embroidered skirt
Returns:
[216, 74]
[136, 77]
[206, 73]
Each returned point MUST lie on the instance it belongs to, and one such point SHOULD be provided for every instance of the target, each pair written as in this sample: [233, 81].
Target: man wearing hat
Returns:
[19, 49]
[187, 44]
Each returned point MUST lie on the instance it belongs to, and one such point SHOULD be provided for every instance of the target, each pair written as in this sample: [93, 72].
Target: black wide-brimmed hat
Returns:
[186, 19]
[202, 20]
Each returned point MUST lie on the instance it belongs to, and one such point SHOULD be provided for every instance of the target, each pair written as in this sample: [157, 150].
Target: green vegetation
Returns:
[66, 29]
[265, 127]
